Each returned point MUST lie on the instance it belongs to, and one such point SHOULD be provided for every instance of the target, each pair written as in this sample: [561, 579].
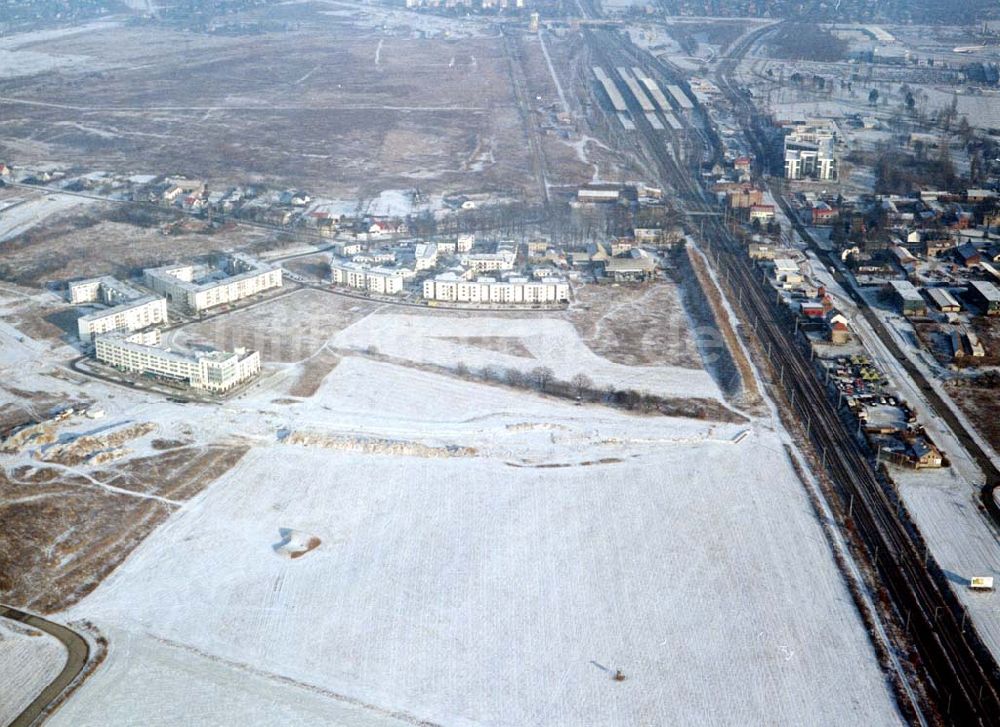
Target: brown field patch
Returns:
[635, 325]
[312, 372]
[63, 534]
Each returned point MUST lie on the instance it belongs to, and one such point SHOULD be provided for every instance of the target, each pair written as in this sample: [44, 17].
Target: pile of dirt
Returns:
[87, 447]
[295, 543]
[33, 435]
[371, 445]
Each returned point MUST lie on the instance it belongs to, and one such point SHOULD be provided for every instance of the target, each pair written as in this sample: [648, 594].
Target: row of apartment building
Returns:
[386, 281]
[198, 288]
[453, 288]
[129, 308]
[139, 352]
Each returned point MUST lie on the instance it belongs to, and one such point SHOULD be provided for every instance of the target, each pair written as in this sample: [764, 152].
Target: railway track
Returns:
[960, 674]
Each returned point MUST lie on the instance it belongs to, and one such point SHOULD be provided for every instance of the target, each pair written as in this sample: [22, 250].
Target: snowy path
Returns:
[260, 107]
[552, 71]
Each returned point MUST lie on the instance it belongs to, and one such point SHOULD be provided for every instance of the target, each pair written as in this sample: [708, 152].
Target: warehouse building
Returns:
[199, 287]
[908, 298]
[139, 353]
[943, 300]
[985, 295]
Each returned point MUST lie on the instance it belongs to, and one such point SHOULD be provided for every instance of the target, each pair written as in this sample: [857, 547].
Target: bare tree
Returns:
[515, 377]
[462, 369]
[581, 383]
[541, 377]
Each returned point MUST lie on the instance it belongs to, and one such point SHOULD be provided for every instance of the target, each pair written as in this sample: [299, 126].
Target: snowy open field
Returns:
[29, 660]
[34, 210]
[501, 586]
[945, 508]
[551, 342]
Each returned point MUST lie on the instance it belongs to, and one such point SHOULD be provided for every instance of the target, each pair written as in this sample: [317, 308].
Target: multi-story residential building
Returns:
[425, 256]
[503, 259]
[385, 281]
[106, 290]
[515, 290]
[129, 309]
[139, 353]
[809, 153]
[199, 288]
[140, 313]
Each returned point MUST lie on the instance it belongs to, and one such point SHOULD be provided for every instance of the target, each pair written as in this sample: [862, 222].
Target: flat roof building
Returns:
[139, 353]
[908, 298]
[199, 288]
[384, 281]
[128, 308]
[450, 287]
[985, 295]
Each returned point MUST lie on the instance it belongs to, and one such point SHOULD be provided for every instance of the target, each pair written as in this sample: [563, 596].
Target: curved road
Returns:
[77, 656]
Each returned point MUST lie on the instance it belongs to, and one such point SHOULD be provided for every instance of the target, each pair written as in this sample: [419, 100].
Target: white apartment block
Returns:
[464, 243]
[143, 312]
[809, 153]
[489, 262]
[425, 256]
[106, 290]
[129, 309]
[139, 353]
[452, 288]
[375, 280]
[199, 288]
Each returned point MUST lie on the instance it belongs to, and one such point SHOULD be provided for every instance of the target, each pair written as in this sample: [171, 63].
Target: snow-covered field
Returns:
[505, 587]
[945, 508]
[551, 342]
[31, 212]
[29, 660]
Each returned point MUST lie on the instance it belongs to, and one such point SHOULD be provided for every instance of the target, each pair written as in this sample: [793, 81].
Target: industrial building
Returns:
[908, 298]
[199, 287]
[129, 309]
[139, 353]
[453, 288]
[943, 300]
[985, 295]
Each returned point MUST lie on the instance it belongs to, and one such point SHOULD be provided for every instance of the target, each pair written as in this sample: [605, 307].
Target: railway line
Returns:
[959, 672]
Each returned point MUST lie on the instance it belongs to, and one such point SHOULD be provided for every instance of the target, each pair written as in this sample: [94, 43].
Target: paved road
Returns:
[78, 654]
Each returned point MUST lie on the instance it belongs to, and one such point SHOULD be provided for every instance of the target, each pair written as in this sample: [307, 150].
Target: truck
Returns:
[981, 583]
